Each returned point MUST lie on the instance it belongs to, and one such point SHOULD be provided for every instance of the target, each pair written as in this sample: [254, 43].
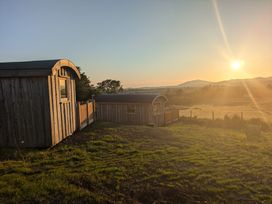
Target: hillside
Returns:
[229, 93]
[195, 83]
[260, 84]
[259, 81]
[232, 82]
[110, 163]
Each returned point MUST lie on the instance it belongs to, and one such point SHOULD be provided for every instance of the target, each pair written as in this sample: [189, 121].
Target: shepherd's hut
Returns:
[37, 102]
[145, 109]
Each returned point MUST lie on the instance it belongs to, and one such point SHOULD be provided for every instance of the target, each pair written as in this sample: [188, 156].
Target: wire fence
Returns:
[221, 114]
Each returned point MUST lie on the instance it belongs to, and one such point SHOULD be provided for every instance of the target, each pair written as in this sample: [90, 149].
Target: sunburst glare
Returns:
[236, 64]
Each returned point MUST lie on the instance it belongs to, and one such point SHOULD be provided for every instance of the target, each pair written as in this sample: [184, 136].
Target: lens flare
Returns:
[221, 27]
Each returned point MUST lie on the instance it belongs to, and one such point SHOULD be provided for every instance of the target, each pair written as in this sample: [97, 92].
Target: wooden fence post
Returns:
[213, 115]
[78, 115]
[93, 105]
[87, 111]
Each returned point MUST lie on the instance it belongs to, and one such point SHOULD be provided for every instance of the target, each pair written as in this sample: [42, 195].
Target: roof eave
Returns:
[24, 73]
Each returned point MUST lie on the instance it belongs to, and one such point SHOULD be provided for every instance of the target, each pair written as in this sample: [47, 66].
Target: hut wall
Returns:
[24, 112]
[118, 112]
[63, 113]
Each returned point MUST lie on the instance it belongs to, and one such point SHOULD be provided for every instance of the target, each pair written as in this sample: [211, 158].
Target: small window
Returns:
[131, 109]
[63, 88]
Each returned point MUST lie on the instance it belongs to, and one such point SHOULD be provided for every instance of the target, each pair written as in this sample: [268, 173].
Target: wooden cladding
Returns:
[37, 111]
[85, 112]
[171, 116]
[63, 110]
[125, 113]
[150, 109]
[24, 112]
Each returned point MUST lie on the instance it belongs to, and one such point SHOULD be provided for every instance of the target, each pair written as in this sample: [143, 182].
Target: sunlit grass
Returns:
[112, 163]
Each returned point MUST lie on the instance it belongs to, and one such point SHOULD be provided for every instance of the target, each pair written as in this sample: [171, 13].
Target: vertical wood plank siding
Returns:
[62, 112]
[24, 112]
[32, 113]
[117, 112]
[85, 114]
[171, 116]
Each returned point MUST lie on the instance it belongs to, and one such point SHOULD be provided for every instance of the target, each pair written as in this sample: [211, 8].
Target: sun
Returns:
[236, 64]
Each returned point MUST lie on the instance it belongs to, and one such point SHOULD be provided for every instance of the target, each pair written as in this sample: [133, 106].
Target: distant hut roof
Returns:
[129, 98]
[35, 68]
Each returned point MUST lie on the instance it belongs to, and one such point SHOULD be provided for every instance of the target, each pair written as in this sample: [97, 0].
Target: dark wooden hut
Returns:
[37, 102]
[142, 109]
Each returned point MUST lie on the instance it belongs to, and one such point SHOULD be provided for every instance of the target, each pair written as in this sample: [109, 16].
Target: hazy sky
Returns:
[141, 42]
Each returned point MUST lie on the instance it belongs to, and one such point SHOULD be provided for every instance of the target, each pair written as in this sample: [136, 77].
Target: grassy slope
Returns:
[109, 163]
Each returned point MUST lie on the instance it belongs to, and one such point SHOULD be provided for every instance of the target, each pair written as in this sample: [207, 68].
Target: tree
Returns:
[109, 86]
[84, 88]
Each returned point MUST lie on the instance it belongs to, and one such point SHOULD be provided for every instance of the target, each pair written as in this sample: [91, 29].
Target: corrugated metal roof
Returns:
[128, 98]
[33, 68]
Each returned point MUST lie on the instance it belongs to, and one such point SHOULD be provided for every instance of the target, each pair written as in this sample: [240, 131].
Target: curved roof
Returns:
[129, 98]
[35, 68]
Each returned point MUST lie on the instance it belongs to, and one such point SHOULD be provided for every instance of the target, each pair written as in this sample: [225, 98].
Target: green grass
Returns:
[110, 163]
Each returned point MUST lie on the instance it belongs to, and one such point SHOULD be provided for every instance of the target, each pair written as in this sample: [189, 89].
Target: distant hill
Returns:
[195, 83]
[254, 81]
[236, 92]
[259, 81]
[233, 82]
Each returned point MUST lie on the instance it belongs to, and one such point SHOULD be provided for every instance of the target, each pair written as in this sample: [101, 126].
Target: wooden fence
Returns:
[85, 113]
[171, 116]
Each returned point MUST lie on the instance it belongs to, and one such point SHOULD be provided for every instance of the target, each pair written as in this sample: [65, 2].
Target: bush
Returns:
[253, 132]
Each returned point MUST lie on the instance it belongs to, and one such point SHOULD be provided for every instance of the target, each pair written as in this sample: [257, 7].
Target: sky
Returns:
[142, 42]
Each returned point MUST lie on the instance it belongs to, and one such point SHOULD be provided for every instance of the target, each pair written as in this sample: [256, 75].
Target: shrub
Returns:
[253, 132]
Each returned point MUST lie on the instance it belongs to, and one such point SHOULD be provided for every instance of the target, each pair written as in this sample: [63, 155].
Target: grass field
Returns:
[110, 163]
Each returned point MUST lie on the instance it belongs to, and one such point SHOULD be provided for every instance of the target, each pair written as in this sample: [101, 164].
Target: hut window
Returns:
[63, 88]
[131, 109]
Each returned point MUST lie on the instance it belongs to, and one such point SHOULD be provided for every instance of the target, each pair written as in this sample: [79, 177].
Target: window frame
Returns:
[64, 99]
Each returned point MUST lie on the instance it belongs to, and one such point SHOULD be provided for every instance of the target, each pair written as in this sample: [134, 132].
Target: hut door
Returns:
[65, 107]
[158, 114]
[159, 119]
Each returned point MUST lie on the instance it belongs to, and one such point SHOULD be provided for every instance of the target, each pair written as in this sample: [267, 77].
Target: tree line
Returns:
[85, 89]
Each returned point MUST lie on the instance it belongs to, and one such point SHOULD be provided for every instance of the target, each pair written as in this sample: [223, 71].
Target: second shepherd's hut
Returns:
[144, 109]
